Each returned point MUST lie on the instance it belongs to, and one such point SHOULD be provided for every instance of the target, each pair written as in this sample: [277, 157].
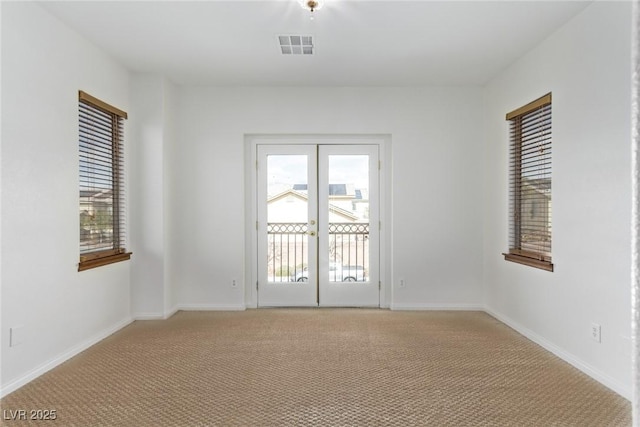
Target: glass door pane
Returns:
[287, 206]
[348, 233]
[287, 218]
[348, 213]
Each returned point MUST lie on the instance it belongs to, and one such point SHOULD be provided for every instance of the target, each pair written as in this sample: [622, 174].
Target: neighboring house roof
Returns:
[343, 190]
[540, 185]
[337, 189]
[303, 196]
[96, 194]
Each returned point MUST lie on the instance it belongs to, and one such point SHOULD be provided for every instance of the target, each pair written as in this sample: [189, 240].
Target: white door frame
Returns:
[251, 208]
[287, 293]
[335, 293]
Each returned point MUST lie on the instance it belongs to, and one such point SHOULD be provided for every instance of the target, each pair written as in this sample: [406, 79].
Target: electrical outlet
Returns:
[234, 283]
[595, 332]
[402, 283]
[16, 336]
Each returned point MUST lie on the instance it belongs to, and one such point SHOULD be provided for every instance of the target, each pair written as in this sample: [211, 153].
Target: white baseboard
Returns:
[435, 307]
[156, 316]
[187, 307]
[211, 307]
[173, 310]
[594, 373]
[148, 316]
[16, 384]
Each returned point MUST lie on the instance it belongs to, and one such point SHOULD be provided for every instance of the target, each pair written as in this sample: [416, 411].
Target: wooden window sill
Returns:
[88, 264]
[531, 262]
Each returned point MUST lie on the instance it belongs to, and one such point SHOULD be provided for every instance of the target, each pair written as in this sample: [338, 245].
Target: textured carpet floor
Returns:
[320, 367]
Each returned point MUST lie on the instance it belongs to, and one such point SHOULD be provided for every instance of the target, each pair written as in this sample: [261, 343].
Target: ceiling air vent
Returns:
[296, 45]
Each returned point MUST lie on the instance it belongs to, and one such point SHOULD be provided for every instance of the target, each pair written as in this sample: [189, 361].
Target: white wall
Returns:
[586, 65]
[151, 140]
[170, 149]
[436, 191]
[44, 64]
[147, 196]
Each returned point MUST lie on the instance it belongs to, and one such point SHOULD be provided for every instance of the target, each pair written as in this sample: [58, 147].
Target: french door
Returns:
[318, 225]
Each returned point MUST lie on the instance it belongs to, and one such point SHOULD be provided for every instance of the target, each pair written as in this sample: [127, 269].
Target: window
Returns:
[102, 226]
[530, 185]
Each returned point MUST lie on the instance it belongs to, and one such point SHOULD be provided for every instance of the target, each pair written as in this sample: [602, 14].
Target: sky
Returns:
[285, 170]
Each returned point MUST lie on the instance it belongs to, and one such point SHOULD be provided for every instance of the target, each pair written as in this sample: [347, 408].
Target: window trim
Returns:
[98, 259]
[517, 255]
[84, 96]
[526, 260]
[89, 260]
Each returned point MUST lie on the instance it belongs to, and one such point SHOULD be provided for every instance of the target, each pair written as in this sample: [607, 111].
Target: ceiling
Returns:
[356, 43]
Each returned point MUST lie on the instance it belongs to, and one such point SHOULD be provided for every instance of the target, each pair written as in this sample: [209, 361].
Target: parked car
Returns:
[301, 276]
[337, 273]
[353, 273]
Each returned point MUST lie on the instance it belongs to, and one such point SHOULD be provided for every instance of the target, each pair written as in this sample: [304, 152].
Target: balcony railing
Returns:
[288, 251]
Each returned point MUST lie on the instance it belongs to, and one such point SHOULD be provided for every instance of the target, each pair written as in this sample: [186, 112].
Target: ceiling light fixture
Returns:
[311, 5]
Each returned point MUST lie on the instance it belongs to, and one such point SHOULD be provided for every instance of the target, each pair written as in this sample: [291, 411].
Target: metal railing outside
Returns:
[288, 251]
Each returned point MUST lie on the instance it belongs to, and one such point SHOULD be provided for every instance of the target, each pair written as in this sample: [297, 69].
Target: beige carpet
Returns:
[320, 367]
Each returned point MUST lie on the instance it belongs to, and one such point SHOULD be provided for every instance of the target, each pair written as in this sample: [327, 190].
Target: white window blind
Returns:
[530, 208]
[102, 197]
